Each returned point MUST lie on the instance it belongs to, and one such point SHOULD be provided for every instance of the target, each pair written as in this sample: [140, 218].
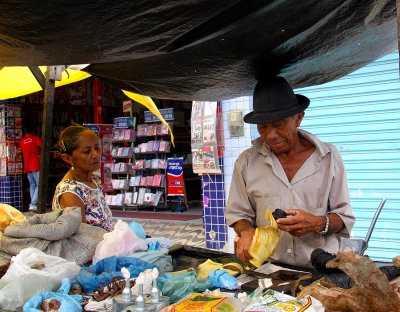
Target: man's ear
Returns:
[299, 118]
[66, 158]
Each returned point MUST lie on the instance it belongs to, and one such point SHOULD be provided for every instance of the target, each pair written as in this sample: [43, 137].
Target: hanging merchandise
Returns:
[205, 137]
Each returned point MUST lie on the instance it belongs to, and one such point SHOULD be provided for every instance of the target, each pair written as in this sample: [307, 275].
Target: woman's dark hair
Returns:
[69, 137]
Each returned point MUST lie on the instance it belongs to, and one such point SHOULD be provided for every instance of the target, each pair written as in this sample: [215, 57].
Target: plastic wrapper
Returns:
[206, 303]
[264, 241]
[178, 285]
[159, 258]
[222, 279]
[122, 241]
[273, 301]
[33, 261]
[92, 277]
[14, 293]
[138, 229]
[208, 266]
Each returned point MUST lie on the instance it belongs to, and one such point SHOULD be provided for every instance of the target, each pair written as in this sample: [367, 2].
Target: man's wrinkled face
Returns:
[281, 135]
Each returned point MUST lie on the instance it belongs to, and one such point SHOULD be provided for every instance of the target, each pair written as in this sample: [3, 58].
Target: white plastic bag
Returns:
[14, 293]
[122, 241]
[33, 261]
[32, 272]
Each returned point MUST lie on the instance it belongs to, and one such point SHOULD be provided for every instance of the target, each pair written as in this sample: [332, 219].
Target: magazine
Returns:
[157, 198]
[196, 133]
[148, 198]
[149, 180]
[141, 130]
[210, 159]
[197, 160]
[140, 199]
[106, 146]
[196, 111]
[157, 180]
[128, 198]
[128, 134]
[209, 130]
[210, 109]
[134, 198]
[151, 130]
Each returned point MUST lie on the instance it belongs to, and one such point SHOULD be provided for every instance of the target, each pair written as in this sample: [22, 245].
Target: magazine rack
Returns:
[148, 185]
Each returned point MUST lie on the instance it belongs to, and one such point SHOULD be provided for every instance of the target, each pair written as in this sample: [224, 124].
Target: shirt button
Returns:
[289, 250]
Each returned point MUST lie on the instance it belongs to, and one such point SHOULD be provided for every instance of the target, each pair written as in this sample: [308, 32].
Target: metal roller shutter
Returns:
[360, 114]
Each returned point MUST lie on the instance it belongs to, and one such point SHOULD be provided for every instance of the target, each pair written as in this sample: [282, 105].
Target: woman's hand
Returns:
[299, 222]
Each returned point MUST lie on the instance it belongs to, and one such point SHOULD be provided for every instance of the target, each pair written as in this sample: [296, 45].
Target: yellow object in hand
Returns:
[265, 240]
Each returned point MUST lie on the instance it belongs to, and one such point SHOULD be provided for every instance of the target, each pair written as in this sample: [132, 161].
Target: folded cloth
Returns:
[59, 233]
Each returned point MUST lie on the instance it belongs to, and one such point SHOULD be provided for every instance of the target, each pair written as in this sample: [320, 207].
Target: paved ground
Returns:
[189, 233]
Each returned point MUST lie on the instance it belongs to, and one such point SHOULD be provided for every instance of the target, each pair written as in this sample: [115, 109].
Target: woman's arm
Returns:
[72, 200]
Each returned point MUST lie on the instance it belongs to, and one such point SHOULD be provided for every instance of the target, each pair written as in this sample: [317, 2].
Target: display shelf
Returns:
[123, 138]
[148, 186]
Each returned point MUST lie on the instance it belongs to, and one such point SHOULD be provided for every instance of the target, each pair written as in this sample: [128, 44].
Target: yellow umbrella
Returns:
[16, 81]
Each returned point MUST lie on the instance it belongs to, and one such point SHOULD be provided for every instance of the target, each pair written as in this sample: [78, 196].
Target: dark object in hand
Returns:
[279, 214]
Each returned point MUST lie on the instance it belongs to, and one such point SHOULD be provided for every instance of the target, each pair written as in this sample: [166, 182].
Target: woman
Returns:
[80, 148]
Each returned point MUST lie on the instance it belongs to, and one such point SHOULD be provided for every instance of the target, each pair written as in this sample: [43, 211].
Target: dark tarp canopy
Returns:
[199, 49]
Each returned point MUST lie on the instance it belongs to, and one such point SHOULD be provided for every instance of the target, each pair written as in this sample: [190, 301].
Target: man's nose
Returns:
[270, 132]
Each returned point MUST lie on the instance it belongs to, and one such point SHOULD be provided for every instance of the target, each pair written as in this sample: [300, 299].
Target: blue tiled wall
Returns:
[214, 207]
[11, 191]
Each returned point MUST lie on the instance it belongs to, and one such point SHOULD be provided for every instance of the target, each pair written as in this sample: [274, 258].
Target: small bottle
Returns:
[126, 292]
[139, 302]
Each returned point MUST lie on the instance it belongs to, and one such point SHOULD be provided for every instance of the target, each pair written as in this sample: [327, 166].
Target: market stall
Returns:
[82, 268]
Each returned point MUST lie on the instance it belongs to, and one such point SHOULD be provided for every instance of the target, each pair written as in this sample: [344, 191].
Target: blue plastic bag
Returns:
[138, 229]
[69, 303]
[222, 279]
[100, 274]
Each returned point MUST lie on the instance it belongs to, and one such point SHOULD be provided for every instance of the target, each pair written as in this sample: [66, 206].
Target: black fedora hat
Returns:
[273, 100]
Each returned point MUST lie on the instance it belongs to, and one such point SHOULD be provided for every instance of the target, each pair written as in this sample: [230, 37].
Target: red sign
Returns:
[175, 184]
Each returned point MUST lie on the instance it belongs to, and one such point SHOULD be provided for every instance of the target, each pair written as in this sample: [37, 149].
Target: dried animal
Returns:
[50, 305]
[396, 261]
[114, 288]
[371, 291]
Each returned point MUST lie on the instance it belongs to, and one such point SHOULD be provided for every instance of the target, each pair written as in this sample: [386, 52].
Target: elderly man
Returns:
[290, 169]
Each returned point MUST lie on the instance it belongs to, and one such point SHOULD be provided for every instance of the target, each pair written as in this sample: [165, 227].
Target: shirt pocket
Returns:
[262, 203]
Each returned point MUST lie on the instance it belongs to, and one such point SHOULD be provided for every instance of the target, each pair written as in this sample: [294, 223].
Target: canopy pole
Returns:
[40, 78]
[47, 122]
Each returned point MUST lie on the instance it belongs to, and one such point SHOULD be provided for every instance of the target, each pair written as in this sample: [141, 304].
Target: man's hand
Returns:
[243, 245]
[245, 232]
[299, 222]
